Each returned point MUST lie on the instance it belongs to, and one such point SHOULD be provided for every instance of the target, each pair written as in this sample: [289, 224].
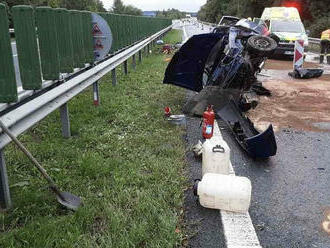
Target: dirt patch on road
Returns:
[302, 104]
[274, 64]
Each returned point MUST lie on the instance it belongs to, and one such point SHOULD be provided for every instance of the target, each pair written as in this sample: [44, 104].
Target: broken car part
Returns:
[303, 73]
[223, 67]
[257, 145]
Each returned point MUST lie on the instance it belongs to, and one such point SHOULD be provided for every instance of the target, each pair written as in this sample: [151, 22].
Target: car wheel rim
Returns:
[262, 43]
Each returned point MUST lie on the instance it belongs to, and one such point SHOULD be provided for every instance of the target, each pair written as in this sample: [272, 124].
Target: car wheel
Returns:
[261, 45]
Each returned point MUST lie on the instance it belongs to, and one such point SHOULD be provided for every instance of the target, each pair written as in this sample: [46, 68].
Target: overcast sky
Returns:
[183, 5]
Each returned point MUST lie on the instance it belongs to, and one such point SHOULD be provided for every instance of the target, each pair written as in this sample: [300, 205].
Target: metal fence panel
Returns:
[8, 88]
[87, 36]
[64, 40]
[47, 37]
[27, 47]
[77, 43]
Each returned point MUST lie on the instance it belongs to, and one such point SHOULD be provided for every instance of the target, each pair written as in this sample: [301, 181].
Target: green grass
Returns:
[124, 160]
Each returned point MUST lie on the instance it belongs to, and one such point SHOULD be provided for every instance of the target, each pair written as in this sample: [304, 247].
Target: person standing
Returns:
[325, 46]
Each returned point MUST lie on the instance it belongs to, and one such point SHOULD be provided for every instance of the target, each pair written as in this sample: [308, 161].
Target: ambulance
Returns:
[285, 26]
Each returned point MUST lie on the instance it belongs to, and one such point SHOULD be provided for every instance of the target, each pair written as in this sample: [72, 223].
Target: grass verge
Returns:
[124, 160]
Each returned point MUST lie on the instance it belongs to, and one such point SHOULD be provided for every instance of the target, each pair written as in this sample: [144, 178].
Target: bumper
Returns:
[287, 49]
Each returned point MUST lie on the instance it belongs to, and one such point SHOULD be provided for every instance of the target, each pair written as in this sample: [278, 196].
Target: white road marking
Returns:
[185, 35]
[238, 228]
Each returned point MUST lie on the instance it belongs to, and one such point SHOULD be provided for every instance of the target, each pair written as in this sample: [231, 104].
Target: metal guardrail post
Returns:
[96, 94]
[148, 49]
[114, 77]
[134, 62]
[5, 200]
[65, 120]
[140, 56]
[125, 67]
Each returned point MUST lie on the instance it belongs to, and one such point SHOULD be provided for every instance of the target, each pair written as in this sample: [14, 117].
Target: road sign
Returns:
[298, 54]
[102, 37]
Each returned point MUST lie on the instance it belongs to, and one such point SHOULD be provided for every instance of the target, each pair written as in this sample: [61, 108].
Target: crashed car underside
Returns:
[222, 66]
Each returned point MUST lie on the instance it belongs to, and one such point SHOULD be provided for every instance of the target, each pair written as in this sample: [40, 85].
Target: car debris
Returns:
[198, 149]
[223, 66]
[177, 119]
[304, 73]
[167, 49]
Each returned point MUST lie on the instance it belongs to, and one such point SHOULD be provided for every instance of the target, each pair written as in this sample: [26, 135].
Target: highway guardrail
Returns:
[23, 107]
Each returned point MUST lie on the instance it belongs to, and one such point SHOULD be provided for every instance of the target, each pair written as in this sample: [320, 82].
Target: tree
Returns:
[119, 8]
[131, 10]
[314, 14]
[171, 14]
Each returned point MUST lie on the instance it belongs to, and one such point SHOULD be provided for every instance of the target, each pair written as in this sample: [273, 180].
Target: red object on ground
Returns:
[167, 111]
[167, 48]
[208, 122]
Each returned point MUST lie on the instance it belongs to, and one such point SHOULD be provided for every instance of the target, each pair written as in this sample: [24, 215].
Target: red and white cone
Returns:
[298, 54]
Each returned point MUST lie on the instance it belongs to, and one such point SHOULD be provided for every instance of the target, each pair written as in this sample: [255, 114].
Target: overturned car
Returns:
[222, 66]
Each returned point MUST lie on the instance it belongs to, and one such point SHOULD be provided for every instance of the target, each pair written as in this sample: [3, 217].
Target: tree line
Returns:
[95, 6]
[314, 13]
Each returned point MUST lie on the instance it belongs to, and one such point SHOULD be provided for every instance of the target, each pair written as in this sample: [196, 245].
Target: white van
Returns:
[285, 25]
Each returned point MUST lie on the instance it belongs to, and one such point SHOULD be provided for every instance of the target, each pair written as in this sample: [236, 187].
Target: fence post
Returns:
[114, 77]
[64, 112]
[134, 62]
[140, 56]
[5, 201]
[96, 94]
[125, 67]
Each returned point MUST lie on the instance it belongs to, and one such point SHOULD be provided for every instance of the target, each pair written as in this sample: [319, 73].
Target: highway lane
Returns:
[290, 190]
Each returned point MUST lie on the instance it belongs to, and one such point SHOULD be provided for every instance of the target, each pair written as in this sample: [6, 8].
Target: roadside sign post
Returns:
[298, 54]
[96, 95]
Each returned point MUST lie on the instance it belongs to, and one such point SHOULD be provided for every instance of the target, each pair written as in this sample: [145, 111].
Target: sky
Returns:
[183, 5]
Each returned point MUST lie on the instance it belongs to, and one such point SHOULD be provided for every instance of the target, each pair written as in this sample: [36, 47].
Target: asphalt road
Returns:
[290, 190]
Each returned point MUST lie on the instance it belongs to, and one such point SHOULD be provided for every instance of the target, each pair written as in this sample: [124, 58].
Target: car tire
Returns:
[261, 45]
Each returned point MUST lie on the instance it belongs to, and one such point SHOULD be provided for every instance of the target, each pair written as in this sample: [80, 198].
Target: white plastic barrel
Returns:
[216, 156]
[224, 192]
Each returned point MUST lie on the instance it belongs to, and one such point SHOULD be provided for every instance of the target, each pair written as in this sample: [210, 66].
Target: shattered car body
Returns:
[222, 66]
